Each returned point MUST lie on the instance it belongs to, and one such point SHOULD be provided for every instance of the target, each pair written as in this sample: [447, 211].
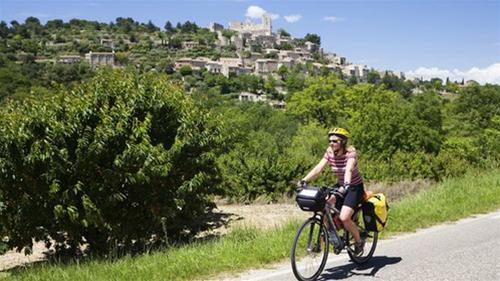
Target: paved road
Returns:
[466, 250]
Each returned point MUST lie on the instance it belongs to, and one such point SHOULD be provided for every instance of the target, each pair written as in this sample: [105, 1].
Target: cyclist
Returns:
[343, 161]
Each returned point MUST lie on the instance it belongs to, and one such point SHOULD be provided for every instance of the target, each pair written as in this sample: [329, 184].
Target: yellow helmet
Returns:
[340, 132]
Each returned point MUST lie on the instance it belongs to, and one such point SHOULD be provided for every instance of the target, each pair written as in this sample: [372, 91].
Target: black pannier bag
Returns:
[311, 199]
[369, 216]
[375, 211]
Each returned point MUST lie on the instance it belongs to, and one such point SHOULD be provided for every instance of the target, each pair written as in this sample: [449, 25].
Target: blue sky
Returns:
[422, 38]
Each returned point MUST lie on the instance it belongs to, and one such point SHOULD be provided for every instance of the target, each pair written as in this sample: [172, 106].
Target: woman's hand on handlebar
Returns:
[301, 185]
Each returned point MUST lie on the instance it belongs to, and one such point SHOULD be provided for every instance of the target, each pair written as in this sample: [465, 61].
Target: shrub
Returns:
[119, 159]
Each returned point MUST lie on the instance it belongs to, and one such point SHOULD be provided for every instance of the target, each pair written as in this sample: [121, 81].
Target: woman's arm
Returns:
[316, 170]
[348, 170]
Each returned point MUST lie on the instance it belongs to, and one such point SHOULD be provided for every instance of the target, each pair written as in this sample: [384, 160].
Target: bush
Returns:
[120, 159]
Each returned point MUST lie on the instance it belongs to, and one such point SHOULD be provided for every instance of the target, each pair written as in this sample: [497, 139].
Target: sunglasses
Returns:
[334, 141]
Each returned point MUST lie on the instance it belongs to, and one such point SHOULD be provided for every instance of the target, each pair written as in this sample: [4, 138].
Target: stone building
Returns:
[100, 58]
[264, 28]
[68, 59]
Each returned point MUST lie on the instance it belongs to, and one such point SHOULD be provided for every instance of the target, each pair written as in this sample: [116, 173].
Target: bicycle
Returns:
[312, 241]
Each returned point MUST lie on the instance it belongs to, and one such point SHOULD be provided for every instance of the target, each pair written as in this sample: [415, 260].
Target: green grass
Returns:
[450, 200]
[245, 248]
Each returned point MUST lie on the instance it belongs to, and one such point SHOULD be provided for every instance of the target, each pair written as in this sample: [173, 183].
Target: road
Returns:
[465, 250]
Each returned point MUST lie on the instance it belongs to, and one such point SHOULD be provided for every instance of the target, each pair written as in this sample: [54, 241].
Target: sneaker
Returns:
[358, 247]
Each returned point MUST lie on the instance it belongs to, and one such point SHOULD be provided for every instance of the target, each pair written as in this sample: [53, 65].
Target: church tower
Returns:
[266, 24]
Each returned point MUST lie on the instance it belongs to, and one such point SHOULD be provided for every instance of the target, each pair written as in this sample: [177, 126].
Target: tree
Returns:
[373, 77]
[319, 101]
[120, 149]
[353, 80]
[437, 84]
[185, 70]
[282, 32]
[428, 107]
[384, 123]
[4, 29]
[126, 25]
[33, 25]
[476, 107]
[169, 27]
[283, 71]
[151, 28]
[54, 24]
[314, 38]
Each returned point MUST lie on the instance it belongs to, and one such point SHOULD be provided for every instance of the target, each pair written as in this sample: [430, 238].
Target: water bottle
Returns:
[334, 239]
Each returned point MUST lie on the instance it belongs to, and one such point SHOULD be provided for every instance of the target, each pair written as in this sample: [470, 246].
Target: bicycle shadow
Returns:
[350, 269]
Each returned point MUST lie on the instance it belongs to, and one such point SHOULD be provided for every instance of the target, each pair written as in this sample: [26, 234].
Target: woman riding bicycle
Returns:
[344, 164]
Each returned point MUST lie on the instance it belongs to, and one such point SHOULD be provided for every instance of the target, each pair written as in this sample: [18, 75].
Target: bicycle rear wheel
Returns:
[370, 237]
[311, 247]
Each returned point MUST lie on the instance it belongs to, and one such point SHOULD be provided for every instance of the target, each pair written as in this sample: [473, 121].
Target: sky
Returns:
[426, 38]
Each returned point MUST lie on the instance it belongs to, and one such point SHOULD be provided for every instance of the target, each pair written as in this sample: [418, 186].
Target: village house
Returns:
[265, 66]
[100, 58]
[214, 67]
[195, 64]
[189, 44]
[107, 42]
[247, 96]
[288, 62]
[277, 104]
[264, 28]
[68, 59]
[311, 47]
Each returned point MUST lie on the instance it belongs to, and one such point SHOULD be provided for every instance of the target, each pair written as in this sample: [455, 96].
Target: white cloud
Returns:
[273, 16]
[332, 19]
[292, 18]
[490, 74]
[256, 12]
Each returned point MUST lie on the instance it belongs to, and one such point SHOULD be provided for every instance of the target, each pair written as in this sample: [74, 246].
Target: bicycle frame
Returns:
[320, 215]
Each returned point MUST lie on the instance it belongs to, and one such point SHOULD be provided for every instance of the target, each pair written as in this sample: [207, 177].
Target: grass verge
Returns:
[245, 248]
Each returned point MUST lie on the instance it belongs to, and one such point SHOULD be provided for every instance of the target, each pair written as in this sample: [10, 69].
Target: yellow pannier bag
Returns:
[375, 211]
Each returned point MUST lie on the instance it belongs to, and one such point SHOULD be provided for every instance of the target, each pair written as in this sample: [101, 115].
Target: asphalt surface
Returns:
[468, 249]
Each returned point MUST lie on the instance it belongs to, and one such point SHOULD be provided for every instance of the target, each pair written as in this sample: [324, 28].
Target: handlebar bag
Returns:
[311, 199]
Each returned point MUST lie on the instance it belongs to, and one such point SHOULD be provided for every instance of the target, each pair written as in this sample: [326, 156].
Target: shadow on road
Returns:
[368, 269]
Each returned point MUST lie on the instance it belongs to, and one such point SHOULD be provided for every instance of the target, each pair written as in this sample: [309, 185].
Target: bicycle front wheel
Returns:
[311, 247]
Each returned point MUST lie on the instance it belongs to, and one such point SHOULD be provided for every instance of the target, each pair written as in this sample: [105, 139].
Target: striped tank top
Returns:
[338, 164]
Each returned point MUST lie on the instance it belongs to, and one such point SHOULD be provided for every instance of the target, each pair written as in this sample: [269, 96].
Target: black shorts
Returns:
[352, 199]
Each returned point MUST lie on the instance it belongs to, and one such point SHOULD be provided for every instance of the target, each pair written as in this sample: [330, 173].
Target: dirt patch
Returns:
[262, 216]
[13, 259]
[396, 191]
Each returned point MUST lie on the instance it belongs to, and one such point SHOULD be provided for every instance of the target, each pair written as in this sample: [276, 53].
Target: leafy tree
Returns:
[54, 24]
[185, 70]
[169, 27]
[4, 29]
[282, 32]
[476, 107]
[428, 107]
[86, 166]
[283, 71]
[382, 123]
[314, 38]
[373, 77]
[319, 101]
[151, 28]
